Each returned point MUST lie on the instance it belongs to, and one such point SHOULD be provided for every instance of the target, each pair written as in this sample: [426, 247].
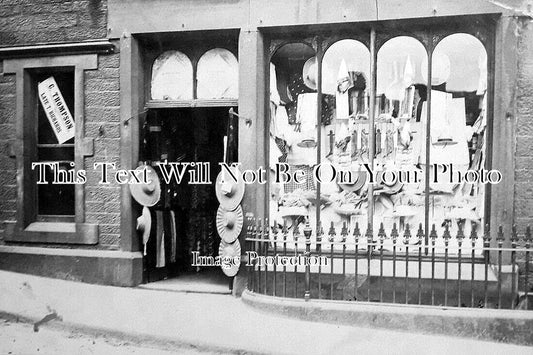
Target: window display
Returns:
[340, 138]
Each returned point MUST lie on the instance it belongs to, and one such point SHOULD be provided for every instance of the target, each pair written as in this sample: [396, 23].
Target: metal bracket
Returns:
[247, 121]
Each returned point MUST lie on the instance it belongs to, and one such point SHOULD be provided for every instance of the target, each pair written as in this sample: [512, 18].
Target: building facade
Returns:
[104, 57]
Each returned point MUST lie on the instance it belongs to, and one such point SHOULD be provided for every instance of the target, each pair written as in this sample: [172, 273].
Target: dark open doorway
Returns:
[183, 221]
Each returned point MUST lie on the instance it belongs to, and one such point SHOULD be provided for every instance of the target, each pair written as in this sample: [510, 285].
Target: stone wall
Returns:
[523, 195]
[43, 21]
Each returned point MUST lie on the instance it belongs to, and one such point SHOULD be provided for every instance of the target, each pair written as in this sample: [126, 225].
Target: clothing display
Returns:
[398, 133]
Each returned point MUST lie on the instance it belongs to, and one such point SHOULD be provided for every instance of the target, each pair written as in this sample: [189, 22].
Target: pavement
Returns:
[213, 323]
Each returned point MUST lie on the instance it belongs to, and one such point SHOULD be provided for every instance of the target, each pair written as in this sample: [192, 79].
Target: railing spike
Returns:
[344, 231]
[406, 234]
[356, 232]
[486, 234]
[446, 235]
[433, 234]
[473, 233]
[460, 233]
[332, 233]
[394, 233]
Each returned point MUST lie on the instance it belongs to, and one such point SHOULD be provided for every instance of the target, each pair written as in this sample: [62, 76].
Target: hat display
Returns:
[229, 223]
[388, 187]
[229, 193]
[359, 178]
[144, 224]
[309, 73]
[147, 194]
[227, 250]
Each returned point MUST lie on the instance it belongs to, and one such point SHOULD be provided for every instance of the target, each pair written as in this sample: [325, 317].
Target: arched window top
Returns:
[172, 76]
[399, 65]
[344, 55]
[218, 75]
[460, 62]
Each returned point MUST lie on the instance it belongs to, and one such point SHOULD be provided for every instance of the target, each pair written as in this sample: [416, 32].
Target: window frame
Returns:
[429, 32]
[29, 227]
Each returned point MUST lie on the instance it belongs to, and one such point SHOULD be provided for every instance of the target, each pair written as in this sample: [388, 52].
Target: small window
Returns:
[172, 76]
[54, 199]
[218, 75]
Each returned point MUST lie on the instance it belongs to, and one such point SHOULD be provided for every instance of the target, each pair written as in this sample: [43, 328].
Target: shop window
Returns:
[293, 132]
[172, 77]
[458, 131]
[217, 75]
[400, 92]
[340, 133]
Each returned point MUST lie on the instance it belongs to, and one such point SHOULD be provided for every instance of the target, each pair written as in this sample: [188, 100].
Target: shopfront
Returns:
[400, 93]
[348, 94]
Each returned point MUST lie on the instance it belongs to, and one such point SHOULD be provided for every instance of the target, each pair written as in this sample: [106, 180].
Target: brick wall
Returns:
[37, 21]
[102, 117]
[523, 197]
[8, 168]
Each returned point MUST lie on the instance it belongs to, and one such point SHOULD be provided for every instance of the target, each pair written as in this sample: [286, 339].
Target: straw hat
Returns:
[229, 193]
[144, 224]
[359, 178]
[147, 194]
[309, 73]
[389, 187]
[227, 250]
[229, 223]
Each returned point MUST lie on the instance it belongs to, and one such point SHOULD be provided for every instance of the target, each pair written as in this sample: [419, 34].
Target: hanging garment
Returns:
[160, 240]
[173, 237]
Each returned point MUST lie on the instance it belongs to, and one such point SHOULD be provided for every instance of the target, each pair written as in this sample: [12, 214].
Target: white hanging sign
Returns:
[56, 110]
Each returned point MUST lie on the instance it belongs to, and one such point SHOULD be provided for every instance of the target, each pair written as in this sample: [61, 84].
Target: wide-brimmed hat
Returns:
[359, 179]
[388, 187]
[229, 223]
[310, 73]
[144, 224]
[229, 250]
[230, 192]
[146, 194]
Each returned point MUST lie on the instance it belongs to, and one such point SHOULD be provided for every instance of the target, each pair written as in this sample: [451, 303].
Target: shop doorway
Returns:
[184, 219]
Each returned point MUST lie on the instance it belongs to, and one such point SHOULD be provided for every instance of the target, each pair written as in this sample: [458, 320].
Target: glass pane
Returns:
[345, 135]
[172, 77]
[400, 96]
[458, 122]
[218, 75]
[293, 135]
[56, 199]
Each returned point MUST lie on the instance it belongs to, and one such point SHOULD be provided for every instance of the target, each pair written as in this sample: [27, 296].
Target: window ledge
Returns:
[54, 232]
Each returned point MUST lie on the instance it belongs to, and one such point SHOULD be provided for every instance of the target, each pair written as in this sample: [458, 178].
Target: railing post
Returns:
[307, 233]
[473, 238]
[499, 239]
[486, 245]
[514, 289]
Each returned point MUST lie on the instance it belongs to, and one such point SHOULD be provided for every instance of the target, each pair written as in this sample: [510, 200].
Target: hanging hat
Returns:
[227, 250]
[229, 193]
[359, 178]
[229, 223]
[146, 194]
[144, 224]
[309, 73]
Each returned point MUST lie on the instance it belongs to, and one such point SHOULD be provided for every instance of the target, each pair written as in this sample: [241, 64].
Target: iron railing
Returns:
[461, 271]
